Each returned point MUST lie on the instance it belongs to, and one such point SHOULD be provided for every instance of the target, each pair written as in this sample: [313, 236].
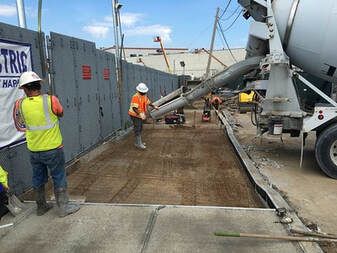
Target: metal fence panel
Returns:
[20, 168]
[16, 159]
[125, 99]
[88, 104]
[66, 88]
[105, 93]
[147, 79]
[157, 85]
[115, 96]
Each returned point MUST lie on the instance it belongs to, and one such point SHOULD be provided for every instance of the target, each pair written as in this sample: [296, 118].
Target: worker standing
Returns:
[37, 114]
[137, 112]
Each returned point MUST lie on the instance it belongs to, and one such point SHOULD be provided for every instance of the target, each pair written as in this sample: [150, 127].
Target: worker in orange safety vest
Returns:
[38, 115]
[216, 102]
[137, 112]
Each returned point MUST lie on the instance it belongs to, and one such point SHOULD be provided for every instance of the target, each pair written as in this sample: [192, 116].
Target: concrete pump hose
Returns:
[221, 79]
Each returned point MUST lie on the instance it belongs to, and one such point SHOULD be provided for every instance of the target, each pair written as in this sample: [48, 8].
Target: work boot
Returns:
[139, 143]
[62, 201]
[42, 205]
[142, 142]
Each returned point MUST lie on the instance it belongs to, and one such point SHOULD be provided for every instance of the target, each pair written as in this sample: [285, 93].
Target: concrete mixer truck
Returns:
[289, 42]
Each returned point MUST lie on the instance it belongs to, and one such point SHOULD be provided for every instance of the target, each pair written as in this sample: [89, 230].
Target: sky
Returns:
[180, 23]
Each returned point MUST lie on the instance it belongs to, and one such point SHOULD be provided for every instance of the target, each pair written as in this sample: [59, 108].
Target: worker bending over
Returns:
[216, 102]
[137, 112]
[37, 114]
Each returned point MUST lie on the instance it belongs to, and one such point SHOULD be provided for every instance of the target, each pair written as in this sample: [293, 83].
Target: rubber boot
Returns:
[62, 201]
[142, 142]
[139, 143]
[42, 205]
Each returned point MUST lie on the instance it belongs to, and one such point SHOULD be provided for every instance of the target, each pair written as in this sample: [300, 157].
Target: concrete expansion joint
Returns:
[149, 227]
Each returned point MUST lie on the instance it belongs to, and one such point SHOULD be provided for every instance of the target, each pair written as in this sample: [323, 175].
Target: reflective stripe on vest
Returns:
[49, 124]
[42, 128]
[139, 105]
[136, 105]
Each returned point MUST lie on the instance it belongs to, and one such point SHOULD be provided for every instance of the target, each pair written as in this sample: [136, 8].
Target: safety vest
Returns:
[3, 177]
[140, 102]
[42, 125]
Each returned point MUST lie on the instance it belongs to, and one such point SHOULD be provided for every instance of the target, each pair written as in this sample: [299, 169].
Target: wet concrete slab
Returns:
[183, 165]
[132, 228]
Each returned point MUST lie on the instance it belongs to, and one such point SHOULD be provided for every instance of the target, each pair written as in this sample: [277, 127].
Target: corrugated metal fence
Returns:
[84, 79]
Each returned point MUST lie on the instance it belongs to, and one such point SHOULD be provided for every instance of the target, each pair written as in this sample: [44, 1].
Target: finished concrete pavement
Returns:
[146, 228]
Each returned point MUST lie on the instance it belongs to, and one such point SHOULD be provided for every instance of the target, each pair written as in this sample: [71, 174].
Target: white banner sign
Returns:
[15, 58]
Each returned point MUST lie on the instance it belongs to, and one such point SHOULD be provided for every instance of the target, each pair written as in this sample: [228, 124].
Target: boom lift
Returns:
[158, 39]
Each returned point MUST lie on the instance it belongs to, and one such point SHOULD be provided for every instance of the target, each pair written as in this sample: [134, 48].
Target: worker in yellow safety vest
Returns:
[37, 114]
[137, 112]
[3, 192]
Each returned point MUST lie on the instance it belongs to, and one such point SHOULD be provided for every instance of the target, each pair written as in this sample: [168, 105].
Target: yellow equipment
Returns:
[246, 101]
[246, 97]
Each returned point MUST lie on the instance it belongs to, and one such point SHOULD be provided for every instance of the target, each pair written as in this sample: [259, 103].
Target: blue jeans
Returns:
[54, 161]
[137, 125]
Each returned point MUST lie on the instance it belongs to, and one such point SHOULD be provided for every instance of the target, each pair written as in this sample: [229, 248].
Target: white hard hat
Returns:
[28, 77]
[141, 87]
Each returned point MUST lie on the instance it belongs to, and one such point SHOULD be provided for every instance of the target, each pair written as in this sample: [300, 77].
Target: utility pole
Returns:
[118, 61]
[41, 40]
[122, 51]
[116, 33]
[20, 7]
[212, 43]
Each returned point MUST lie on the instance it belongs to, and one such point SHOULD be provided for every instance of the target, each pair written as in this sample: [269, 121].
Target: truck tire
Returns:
[326, 151]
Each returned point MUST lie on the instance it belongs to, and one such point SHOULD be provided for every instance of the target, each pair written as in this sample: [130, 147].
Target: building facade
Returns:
[182, 61]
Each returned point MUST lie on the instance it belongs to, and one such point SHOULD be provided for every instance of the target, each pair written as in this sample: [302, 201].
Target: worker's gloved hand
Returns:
[142, 116]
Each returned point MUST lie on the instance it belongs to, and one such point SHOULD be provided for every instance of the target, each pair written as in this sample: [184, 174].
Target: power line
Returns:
[233, 13]
[230, 26]
[226, 42]
[225, 10]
